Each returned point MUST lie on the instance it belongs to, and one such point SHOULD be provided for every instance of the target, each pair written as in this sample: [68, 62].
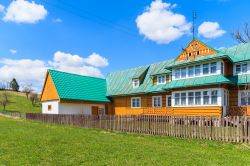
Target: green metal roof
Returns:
[139, 71]
[160, 68]
[78, 87]
[198, 81]
[237, 53]
[120, 82]
[240, 79]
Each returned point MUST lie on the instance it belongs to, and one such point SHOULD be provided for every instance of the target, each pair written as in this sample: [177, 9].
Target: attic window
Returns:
[136, 83]
[161, 79]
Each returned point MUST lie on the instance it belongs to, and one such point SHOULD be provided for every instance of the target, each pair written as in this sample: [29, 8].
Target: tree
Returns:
[33, 98]
[27, 90]
[4, 99]
[14, 85]
[242, 35]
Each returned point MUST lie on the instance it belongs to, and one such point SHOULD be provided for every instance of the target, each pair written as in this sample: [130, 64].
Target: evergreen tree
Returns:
[14, 85]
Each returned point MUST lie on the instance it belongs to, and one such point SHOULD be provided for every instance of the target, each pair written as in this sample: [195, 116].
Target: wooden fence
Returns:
[228, 129]
[13, 114]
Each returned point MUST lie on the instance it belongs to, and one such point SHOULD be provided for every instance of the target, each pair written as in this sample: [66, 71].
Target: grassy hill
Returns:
[19, 103]
[25, 142]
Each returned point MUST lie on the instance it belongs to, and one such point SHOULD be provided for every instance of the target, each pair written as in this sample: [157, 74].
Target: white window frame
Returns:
[241, 68]
[214, 66]
[218, 70]
[167, 96]
[193, 70]
[239, 97]
[159, 77]
[153, 104]
[222, 68]
[133, 82]
[135, 98]
[220, 97]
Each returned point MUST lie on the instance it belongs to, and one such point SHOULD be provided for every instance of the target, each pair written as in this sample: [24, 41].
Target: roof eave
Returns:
[203, 60]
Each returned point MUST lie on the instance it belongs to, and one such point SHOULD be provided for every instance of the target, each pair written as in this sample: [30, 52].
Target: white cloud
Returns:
[1, 8]
[57, 20]
[74, 64]
[28, 71]
[160, 24]
[23, 11]
[12, 51]
[96, 60]
[24, 70]
[210, 30]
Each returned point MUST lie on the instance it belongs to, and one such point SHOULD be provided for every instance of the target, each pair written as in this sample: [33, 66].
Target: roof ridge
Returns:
[76, 74]
[172, 59]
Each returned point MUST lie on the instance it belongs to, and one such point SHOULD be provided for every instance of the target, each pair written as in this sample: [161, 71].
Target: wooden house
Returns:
[201, 81]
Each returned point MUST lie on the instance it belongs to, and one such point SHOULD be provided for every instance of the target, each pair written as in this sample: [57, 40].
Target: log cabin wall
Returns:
[122, 104]
[228, 68]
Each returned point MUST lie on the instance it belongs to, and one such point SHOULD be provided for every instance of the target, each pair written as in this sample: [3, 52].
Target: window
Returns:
[190, 98]
[183, 72]
[245, 98]
[177, 98]
[177, 73]
[168, 98]
[244, 68]
[49, 107]
[135, 83]
[157, 101]
[238, 69]
[197, 70]
[191, 71]
[214, 96]
[222, 68]
[205, 98]
[213, 67]
[241, 68]
[161, 79]
[200, 97]
[205, 69]
[135, 102]
[183, 98]
[197, 98]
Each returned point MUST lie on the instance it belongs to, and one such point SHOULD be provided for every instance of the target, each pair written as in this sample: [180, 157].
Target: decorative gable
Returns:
[195, 49]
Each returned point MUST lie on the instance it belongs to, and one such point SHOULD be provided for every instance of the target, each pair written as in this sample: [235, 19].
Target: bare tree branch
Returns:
[242, 35]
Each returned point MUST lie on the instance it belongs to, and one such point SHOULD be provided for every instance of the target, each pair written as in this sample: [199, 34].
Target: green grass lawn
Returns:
[31, 143]
[19, 103]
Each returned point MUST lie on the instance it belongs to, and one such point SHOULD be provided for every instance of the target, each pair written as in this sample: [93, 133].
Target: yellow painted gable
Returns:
[195, 49]
[49, 90]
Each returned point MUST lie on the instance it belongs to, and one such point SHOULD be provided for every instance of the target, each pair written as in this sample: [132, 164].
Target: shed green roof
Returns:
[199, 81]
[78, 87]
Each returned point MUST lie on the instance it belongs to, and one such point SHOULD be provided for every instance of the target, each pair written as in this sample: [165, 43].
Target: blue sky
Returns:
[109, 30]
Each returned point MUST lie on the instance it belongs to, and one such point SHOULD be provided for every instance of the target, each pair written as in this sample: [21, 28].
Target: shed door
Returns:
[95, 110]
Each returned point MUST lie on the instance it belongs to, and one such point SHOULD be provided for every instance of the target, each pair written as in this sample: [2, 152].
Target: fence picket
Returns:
[228, 129]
